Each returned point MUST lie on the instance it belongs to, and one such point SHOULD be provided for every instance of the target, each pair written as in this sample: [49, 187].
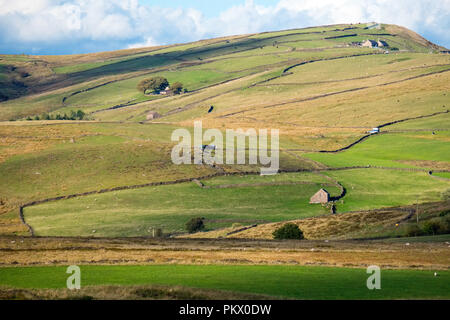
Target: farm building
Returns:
[373, 25]
[167, 90]
[208, 147]
[322, 196]
[370, 44]
[153, 115]
[382, 43]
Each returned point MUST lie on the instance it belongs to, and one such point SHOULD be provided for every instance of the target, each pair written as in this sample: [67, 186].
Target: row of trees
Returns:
[73, 115]
[157, 84]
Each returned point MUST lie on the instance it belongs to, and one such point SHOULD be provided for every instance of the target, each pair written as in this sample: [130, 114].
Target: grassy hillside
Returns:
[210, 61]
[321, 90]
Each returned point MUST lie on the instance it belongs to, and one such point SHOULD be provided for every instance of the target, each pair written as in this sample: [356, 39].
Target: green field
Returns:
[277, 281]
[136, 212]
[443, 174]
[392, 150]
[376, 188]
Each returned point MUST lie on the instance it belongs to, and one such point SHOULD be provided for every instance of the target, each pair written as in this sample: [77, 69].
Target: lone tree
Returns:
[288, 231]
[154, 84]
[177, 87]
[194, 225]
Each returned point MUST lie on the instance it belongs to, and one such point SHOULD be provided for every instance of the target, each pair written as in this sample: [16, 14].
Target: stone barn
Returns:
[382, 43]
[370, 44]
[322, 196]
[153, 115]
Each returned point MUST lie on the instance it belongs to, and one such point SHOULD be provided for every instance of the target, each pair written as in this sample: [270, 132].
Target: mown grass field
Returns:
[136, 212]
[375, 188]
[277, 281]
[244, 200]
[413, 149]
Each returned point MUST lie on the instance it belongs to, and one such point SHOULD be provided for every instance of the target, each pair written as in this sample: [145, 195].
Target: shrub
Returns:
[445, 226]
[177, 87]
[72, 116]
[194, 225]
[288, 231]
[413, 230]
[437, 226]
[444, 213]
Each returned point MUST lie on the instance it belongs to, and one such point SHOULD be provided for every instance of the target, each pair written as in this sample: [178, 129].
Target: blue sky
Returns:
[207, 7]
[82, 26]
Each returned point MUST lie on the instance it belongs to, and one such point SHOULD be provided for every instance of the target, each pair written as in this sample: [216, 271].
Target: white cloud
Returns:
[80, 25]
[148, 42]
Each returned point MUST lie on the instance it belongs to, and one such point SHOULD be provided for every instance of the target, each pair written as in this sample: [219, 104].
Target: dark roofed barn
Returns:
[370, 44]
[382, 43]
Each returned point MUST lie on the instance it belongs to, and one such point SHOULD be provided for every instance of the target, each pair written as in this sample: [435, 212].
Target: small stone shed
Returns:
[322, 196]
[153, 115]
